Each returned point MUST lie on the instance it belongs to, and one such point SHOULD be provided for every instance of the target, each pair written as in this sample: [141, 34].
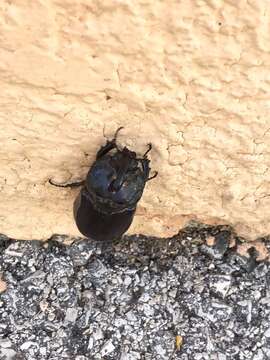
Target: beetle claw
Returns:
[147, 151]
[152, 177]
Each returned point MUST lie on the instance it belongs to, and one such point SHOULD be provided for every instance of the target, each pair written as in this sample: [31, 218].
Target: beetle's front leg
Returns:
[146, 170]
[111, 144]
[105, 149]
[145, 165]
[153, 176]
[147, 151]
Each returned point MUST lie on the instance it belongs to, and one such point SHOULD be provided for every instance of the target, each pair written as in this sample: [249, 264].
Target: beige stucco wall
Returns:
[191, 76]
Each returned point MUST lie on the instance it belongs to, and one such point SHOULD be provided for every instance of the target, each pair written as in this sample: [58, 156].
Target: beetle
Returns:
[106, 204]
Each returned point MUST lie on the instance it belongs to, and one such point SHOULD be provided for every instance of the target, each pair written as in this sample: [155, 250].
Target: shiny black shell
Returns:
[97, 225]
[105, 206]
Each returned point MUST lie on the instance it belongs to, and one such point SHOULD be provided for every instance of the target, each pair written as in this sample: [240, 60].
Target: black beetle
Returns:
[105, 206]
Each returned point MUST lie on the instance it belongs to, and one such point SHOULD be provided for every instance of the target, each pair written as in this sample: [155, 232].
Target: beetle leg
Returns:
[147, 151]
[116, 133]
[145, 168]
[105, 149]
[111, 144]
[145, 154]
[145, 165]
[66, 185]
[152, 177]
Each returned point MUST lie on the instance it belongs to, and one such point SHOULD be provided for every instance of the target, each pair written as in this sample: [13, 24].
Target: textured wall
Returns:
[192, 76]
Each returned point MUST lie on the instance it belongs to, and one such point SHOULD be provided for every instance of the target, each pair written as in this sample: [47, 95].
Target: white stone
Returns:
[107, 348]
[71, 315]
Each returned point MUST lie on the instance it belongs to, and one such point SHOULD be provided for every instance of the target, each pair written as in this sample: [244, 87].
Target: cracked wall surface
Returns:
[190, 76]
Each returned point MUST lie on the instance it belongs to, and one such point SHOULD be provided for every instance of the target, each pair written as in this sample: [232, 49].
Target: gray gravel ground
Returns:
[141, 298]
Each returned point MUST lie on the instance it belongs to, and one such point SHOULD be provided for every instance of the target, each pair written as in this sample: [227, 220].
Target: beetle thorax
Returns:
[115, 182]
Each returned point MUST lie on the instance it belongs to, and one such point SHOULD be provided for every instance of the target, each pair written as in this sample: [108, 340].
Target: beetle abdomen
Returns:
[97, 225]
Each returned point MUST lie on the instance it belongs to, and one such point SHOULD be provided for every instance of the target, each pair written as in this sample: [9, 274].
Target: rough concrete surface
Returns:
[142, 298]
[190, 76]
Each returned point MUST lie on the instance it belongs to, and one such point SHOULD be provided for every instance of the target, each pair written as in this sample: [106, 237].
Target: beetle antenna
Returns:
[66, 185]
[152, 177]
[147, 151]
